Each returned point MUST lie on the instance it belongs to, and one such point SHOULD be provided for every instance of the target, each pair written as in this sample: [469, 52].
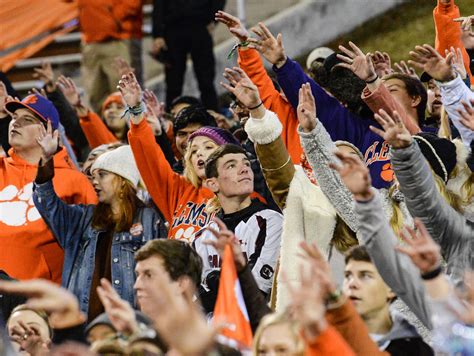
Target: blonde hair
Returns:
[444, 128]
[189, 172]
[42, 314]
[276, 319]
[343, 238]
[467, 189]
[397, 221]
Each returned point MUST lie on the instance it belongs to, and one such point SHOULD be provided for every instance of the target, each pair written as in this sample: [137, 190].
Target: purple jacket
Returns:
[340, 123]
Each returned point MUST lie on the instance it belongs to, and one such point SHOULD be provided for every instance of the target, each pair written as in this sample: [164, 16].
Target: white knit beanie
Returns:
[119, 161]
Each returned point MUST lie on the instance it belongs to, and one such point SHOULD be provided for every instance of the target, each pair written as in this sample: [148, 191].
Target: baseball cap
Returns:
[318, 53]
[39, 105]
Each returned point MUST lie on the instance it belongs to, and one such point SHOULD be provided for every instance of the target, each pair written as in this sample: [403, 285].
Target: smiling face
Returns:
[31, 319]
[200, 149]
[23, 129]
[113, 116]
[366, 288]
[105, 185]
[234, 176]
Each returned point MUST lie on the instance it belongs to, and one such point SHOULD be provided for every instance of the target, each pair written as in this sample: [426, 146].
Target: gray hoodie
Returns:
[372, 228]
[450, 229]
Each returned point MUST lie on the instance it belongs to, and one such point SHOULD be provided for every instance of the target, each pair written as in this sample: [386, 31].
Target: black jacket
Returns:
[183, 14]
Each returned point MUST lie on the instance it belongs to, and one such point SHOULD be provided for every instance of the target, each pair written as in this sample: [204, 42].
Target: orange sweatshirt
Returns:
[103, 20]
[27, 247]
[182, 204]
[328, 343]
[448, 32]
[95, 130]
[251, 63]
[353, 329]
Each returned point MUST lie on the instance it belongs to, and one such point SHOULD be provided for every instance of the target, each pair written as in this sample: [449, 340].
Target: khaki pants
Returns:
[99, 73]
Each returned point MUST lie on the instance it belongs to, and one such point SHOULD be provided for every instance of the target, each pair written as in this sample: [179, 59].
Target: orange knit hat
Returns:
[113, 98]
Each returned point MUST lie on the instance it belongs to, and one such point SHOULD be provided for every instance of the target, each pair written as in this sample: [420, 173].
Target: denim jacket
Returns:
[71, 225]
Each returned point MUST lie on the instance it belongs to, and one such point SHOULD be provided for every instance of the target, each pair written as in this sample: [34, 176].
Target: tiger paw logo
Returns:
[17, 207]
[387, 173]
[30, 99]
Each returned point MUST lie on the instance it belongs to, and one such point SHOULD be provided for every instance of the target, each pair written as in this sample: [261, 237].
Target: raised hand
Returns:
[355, 175]
[180, 312]
[130, 90]
[158, 45]
[151, 100]
[119, 311]
[122, 66]
[403, 68]
[153, 121]
[382, 63]
[358, 62]
[242, 87]
[270, 47]
[467, 115]
[59, 303]
[28, 336]
[233, 24]
[306, 110]
[40, 91]
[307, 304]
[3, 99]
[48, 141]
[430, 61]
[223, 237]
[69, 89]
[420, 247]
[466, 22]
[319, 267]
[458, 61]
[394, 131]
[45, 73]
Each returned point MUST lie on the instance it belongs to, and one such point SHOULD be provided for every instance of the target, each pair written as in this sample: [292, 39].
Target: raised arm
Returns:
[64, 220]
[92, 125]
[448, 32]
[164, 185]
[339, 122]
[264, 130]
[67, 115]
[377, 235]
[453, 89]
[319, 149]
[375, 95]
[447, 227]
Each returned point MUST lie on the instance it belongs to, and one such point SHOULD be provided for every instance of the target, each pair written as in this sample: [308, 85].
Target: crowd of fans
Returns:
[332, 213]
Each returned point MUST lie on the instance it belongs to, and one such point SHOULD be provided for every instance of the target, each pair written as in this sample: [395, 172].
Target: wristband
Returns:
[373, 80]
[233, 51]
[135, 110]
[255, 107]
[432, 274]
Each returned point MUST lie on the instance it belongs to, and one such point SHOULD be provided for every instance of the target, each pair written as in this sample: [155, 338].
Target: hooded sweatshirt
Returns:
[402, 339]
[28, 249]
